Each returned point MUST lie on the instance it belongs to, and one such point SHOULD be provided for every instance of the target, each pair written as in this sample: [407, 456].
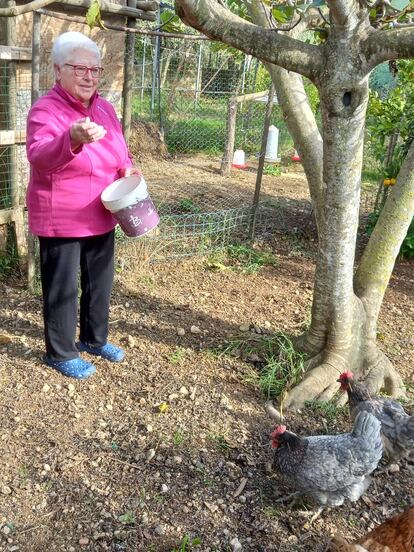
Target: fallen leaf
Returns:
[240, 488]
[163, 407]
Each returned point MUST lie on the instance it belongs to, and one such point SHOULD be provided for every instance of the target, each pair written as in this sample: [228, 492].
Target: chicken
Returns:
[397, 427]
[394, 535]
[329, 468]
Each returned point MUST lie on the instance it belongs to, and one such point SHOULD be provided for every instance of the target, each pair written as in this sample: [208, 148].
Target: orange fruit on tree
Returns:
[387, 181]
[392, 181]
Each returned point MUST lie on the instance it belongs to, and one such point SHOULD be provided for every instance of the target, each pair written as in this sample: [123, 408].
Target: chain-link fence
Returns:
[185, 87]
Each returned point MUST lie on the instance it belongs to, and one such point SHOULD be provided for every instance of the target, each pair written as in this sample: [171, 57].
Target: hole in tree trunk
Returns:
[346, 99]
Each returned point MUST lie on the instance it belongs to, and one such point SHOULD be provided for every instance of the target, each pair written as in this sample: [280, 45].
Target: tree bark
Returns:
[377, 263]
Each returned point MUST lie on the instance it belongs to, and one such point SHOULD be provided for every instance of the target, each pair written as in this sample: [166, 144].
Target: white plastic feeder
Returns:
[239, 160]
[272, 145]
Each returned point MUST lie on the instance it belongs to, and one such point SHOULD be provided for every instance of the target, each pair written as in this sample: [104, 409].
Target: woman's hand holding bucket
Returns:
[129, 202]
[84, 131]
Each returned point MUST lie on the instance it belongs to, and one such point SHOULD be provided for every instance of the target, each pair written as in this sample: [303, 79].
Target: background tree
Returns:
[357, 36]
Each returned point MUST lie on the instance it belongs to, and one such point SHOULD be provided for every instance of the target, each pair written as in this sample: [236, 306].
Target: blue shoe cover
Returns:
[108, 351]
[74, 368]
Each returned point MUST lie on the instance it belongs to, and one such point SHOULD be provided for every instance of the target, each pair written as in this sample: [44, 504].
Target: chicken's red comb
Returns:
[279, 430]
[346, 376]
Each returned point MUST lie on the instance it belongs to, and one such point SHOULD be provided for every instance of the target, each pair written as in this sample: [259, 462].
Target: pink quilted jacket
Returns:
[63, 196]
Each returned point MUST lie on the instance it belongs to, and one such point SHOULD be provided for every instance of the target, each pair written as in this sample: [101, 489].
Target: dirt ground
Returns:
[174, 441]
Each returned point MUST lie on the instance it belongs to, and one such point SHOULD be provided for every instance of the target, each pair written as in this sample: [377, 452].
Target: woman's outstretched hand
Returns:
[85, 132]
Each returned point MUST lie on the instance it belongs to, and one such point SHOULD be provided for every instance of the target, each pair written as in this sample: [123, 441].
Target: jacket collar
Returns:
[58, 89]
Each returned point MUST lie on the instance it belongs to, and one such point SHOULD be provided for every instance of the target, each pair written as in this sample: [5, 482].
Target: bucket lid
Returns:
[124, 192]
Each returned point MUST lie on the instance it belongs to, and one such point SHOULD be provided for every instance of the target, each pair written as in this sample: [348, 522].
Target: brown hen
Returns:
[394, 535]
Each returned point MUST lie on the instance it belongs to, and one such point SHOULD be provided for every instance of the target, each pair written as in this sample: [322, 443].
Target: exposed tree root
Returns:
[320, 381]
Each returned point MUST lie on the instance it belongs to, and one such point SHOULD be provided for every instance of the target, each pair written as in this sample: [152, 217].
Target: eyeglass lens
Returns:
[82, 70]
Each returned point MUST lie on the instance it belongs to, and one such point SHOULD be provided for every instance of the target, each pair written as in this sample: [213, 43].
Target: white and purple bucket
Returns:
[130, 204]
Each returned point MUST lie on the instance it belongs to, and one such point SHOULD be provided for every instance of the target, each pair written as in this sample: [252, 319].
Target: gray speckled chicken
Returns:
[329, 468]
[397, 427]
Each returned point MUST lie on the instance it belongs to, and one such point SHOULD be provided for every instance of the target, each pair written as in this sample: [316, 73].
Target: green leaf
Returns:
[93, 14]
[283, 14]
[279, 15]
[400, 4]
[170, 22]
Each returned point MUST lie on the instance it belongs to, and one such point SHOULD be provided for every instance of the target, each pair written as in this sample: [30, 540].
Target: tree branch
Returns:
[377, 263]
[385, 45]
[219, 23]
[341, 11]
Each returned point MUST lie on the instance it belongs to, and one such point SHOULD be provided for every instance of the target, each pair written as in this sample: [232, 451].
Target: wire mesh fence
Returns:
[185, 88]
[15, 83]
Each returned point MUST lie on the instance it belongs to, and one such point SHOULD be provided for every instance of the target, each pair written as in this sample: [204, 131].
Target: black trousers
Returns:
[60, 261]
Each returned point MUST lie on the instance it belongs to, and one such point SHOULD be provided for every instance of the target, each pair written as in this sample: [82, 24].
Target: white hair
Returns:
[67, 43]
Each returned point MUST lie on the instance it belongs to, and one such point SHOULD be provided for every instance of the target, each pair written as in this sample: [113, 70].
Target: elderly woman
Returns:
[76, 148]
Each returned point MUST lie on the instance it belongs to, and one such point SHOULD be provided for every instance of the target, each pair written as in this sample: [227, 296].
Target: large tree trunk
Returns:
[341, 335]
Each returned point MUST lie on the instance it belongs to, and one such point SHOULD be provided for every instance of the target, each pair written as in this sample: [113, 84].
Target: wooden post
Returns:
[155, 65]
[128, 76]
[225, 168]
[260, 167]
[31, 240]
[143, 73]
[198, 77]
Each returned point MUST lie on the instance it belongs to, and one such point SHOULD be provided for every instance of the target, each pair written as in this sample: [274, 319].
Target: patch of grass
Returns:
[370, 177]
[273, 170]
[128, 518]
[207, 479]
[328, 409]
[187, 544]
[353, 522]
[177, 356]
[178, 437]
[271, 512]
[282, 366]
[219, 440]
[148, 282]
[241, 258]
[187, 205]
[201, 134]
